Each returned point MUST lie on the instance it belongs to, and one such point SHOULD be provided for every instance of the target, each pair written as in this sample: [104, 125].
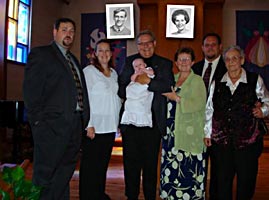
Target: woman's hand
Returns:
[91, 132]
[207, 142]
[257, 112]
[172, 95]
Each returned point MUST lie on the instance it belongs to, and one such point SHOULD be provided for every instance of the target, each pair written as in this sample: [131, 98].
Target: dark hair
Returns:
[180, 12]
[212, 35]
[63, 20]
[187, 50]
[120, 10]
[146, 32]
[96, 62]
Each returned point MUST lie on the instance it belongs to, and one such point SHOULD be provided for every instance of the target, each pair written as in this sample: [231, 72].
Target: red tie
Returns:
[206, 77]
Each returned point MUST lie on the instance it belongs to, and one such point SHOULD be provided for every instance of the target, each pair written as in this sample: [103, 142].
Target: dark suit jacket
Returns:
[162, 82]
[50, 97]
[219, 72]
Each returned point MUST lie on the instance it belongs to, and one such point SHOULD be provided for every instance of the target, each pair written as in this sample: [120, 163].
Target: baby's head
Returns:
[138, 64]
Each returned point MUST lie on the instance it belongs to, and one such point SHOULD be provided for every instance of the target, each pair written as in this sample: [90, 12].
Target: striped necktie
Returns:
[77, 80]
[207, 74]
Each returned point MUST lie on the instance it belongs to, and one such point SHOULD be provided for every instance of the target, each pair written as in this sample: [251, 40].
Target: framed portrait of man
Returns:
[180, 21]
[120, 21]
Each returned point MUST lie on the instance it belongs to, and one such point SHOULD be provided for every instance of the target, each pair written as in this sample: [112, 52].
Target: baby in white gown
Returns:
[137, 108]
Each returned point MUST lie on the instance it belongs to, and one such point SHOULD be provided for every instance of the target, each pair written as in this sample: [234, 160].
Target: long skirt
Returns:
[182, 173]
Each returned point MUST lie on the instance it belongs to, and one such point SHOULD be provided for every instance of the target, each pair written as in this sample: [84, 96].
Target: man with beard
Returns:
[212, 67]
[56, 100]
[120, 17]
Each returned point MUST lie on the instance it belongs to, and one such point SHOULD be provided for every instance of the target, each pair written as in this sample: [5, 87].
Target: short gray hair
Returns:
[233, 47]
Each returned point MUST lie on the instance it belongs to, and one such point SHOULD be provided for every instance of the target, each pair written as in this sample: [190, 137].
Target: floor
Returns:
[115, 179]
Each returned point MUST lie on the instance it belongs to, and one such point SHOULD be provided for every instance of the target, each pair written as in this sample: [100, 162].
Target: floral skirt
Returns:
[182, 173]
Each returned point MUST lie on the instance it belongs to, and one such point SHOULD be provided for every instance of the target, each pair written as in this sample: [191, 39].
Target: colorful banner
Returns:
[252, 34]
[93, 29]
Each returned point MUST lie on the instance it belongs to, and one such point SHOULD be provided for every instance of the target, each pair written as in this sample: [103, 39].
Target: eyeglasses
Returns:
[145, 43]
[233, 59]
[184, 59]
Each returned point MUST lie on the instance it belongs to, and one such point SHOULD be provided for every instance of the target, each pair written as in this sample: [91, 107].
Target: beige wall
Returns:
[44, 14]
[75, 9]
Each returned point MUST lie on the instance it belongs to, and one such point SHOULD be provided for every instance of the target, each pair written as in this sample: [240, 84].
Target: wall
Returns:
[74, 10]
[45, 13]
[2, 47]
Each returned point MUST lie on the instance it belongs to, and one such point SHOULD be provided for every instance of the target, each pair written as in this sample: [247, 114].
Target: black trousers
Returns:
[213, 180]
[243, 163]
[55, 158]
[140, 155]
[96, 154]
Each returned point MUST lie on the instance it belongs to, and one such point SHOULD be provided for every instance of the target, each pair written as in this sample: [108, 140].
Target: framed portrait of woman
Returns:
[180, 21]
[119, 21]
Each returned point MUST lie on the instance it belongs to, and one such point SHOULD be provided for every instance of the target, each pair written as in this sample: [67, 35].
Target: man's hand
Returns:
[142, 79]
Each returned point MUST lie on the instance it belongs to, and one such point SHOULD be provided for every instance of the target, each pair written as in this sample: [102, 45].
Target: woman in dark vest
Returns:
[234, 112]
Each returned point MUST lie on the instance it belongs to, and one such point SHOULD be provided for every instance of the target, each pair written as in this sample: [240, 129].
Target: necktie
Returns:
[207, 73]
[77, 80]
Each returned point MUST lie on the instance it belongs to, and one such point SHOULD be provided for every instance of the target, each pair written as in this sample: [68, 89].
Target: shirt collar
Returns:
[63, 50]
[214, 62]
[243, 77]
[118, 29]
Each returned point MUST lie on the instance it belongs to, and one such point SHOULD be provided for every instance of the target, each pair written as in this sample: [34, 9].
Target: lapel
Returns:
[200, 67]
[220, 70]
[60, 57]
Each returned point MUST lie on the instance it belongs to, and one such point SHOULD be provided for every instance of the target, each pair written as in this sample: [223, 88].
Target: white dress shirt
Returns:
[213, 66]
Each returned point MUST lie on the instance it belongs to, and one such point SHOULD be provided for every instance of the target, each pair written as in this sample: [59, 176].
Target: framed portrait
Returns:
[180, 21]
[120, 21]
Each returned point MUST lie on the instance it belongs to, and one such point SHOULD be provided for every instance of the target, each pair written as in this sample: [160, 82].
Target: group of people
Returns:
[212, 108]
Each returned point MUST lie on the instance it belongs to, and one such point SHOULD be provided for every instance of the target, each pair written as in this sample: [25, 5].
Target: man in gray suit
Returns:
[56, 100]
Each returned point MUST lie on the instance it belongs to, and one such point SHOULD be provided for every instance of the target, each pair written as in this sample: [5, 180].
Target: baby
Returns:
[140, 67]
[137, 107]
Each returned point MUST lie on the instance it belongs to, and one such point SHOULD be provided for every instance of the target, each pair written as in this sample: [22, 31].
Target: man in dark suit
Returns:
[57, 104]
[211, 48]
[141, 144]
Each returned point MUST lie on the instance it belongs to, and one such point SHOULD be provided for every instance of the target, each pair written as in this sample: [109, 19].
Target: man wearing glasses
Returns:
[141, 144]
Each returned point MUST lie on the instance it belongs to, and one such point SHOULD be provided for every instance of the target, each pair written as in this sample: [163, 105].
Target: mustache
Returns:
[68, 37]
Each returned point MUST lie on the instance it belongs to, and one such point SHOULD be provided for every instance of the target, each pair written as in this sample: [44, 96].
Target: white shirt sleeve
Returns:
[263, 94]
[209, 112]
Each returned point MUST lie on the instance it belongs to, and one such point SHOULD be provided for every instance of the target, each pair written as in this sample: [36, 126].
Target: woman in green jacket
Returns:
[183, 163]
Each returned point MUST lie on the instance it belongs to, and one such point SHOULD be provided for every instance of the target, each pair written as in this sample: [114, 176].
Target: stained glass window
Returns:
[19, 12]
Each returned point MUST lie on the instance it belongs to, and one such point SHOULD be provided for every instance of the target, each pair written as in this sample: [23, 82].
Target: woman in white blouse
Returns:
[102, 87]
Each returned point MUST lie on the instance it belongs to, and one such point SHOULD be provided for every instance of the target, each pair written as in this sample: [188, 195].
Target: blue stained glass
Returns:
[18, 30]
[23, 24]
[21, 53]
[11, 40]
[26, 1]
